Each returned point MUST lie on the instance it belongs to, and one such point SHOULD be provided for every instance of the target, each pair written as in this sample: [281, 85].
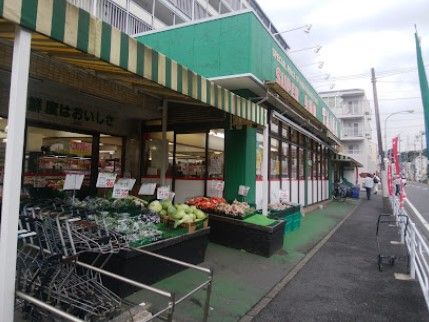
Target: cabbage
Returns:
[166, 203]
[155, 206]
[200, 214]
[193, 209]
[171, 210]
[163, 213]
[185, 219]
[179, 214]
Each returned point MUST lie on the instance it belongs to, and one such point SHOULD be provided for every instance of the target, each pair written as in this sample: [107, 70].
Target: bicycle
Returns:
[340, 193]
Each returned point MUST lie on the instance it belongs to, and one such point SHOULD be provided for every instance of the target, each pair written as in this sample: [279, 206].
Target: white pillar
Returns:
[12, 171]
[164, 156]
[265, 181]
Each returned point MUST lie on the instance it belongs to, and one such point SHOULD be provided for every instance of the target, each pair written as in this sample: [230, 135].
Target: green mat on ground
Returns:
[260, 220]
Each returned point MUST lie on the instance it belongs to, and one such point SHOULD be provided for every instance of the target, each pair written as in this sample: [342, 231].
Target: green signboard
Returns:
[237, 45]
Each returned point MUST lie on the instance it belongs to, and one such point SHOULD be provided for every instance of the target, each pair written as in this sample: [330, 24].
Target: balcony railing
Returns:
[352, 133]
[113, 14]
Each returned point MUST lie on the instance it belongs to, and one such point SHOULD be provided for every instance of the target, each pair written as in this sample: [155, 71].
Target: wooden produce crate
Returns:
[190, 227]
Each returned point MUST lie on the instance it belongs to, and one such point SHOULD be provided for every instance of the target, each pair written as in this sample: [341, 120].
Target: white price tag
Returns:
[243, 191]
[73, 181]
[163, 193]
[126, 183]
[283, 196]
[147, 189]
[120, 191]
[106, 180]
[215, 188]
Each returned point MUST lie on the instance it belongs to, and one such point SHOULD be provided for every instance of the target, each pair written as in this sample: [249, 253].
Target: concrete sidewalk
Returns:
[342, 283]
[241, 279]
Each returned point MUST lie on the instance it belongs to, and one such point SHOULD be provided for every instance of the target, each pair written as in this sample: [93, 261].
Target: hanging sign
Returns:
[283, 196]
[147, 189]
[163, 193]
[106, 180]
[215, 188]
[243, 191]
[73, 181]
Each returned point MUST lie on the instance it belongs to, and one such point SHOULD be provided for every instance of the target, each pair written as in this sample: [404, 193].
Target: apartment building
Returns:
[352, 108]
[138, 16]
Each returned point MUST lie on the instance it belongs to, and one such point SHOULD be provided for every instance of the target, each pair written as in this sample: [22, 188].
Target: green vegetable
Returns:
[163, 212]
[171, 210]
[155, 206]
[166, 204]
[179, 214]
[200, 214]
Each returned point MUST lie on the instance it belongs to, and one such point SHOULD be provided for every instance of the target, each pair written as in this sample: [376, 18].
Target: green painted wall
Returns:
[240, 162]
[213, 48]
[234, 45]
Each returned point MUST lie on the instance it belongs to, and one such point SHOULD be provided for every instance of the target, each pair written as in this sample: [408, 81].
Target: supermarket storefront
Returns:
[240, 54]
[97, 101]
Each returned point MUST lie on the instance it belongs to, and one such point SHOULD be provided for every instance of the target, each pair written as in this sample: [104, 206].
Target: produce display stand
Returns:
[292, 217]
[190, 248]
[253, 238]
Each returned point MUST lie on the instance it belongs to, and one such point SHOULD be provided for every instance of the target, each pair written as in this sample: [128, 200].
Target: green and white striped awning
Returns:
[338, 157]
[75, 27]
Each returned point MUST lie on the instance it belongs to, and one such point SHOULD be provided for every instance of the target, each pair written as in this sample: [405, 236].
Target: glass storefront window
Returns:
[315, 159]
[294, 161]
[3, 132]
[301, 163]
[285, 160]
[275, 125]
[309, 162]
[275, 159]
[216, 154]
[190, 155]
[285, 131]
[259, 154]
[152, 157]
[110, 154]
[50, 154]
[294, 136]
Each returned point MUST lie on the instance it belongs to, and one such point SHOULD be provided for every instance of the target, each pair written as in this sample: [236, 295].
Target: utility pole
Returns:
[380, 142]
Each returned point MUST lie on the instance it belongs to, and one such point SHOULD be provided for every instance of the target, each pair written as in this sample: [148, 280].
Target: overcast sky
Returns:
[355, 36]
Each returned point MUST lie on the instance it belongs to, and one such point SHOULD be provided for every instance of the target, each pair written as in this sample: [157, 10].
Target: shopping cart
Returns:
[391, 251]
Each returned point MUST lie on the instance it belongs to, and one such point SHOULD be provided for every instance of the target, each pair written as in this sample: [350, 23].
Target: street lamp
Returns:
[385, 124]
[306, 28]
[316, 49]
[319, 64]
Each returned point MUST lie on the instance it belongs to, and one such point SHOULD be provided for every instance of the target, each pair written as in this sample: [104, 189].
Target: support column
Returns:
[240, 162]
[164, 142]
[95, 151]
[265, 173]
[13, 171]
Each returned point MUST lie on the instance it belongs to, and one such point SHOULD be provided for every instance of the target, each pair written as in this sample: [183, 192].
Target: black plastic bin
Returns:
[190, 248]
[260, 240]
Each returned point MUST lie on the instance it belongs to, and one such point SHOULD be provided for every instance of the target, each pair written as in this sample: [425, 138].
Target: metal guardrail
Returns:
[417, 246]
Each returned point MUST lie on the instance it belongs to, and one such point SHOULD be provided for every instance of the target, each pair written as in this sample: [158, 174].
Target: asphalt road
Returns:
[418, 195]
[342, 283]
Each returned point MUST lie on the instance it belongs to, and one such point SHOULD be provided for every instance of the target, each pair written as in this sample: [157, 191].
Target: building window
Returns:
[353, 149]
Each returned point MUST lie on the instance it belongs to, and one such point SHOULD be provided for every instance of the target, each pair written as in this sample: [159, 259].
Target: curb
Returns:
[258, 307]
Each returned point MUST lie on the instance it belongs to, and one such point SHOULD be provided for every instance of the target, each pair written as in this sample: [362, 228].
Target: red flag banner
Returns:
[395, 154]
[390, 179]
